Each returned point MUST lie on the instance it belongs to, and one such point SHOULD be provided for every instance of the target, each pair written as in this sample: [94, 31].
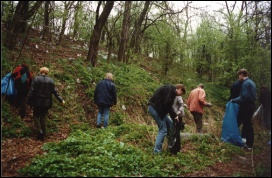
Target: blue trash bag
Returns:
[230, 129]
[7, 85]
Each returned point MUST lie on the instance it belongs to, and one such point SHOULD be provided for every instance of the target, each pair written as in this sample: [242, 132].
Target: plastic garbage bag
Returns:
[7, 85]
[230, 129]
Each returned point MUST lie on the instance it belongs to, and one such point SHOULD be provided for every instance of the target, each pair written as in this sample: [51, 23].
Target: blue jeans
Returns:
[163, 125]
[103, 110]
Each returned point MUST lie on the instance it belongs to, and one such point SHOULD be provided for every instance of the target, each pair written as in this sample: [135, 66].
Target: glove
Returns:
[63, 102]
[209, 104]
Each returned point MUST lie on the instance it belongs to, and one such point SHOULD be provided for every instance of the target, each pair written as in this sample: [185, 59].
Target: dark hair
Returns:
[24, 65]
[182, 87]
[243, 72]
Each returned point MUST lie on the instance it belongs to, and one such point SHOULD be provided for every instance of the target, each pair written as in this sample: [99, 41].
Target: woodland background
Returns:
[144, 44]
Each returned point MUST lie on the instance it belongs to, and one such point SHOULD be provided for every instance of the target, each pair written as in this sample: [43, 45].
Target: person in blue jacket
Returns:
[105, 97]
[235, 89]
[246, 101]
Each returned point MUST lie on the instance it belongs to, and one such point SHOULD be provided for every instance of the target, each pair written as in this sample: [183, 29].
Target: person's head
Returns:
[109, 76]
[180, 89]
[242, 73]
[44, 70]
[24, 65]
[200, 85]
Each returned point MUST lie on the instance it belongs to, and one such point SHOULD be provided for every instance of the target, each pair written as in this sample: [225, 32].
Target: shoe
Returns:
[40, 136]
[247, 148]
[98, 126]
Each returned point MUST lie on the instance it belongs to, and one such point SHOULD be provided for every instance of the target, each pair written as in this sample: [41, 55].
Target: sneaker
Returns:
[98, 126]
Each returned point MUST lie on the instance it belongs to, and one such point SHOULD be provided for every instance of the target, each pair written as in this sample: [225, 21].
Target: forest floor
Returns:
[16, 153]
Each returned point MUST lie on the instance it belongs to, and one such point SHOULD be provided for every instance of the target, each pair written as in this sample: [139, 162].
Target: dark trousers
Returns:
[39, 114]
[198, 121]
[176, 140]
[20, 102]
[266, 117]
[244, 117]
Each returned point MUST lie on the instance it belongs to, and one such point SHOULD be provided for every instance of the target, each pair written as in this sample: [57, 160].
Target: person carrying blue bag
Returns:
[22, 82]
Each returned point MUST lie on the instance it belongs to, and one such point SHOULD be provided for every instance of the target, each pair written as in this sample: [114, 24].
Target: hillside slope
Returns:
[18, 151]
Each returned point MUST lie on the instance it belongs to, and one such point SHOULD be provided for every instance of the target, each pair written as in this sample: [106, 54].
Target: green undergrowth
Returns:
[124, 150]
[12, 126]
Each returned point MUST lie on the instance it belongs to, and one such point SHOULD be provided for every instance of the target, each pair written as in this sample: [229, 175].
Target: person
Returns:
[22, 82]
[105, 97]
[235, 89]
[265, 101]
[159, 106]
[196, 102]
[40, 98]
[246, 101]
[178, 107]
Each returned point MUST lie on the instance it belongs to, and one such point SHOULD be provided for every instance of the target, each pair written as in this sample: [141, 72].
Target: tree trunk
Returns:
[76, 23]
[100, 22]
[134, 43]
[18, 23]
[46, 20]
[67, 7]
[124, 35]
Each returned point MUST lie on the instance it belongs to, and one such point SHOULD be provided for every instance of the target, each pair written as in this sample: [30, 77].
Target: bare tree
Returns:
[99, 23]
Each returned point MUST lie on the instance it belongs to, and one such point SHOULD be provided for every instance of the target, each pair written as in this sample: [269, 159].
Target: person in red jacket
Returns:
[196, 102]
[22, 82]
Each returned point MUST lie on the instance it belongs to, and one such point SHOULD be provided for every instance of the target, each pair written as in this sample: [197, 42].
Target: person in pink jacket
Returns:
[196, 101]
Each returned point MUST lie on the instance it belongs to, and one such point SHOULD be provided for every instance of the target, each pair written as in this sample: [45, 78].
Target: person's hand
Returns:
[177, 118]
[63, 102]
[209, 104]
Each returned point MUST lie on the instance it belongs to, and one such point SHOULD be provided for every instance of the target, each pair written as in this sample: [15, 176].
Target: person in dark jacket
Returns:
[159, 106]
[246, 101]
[22, 82]
[105, 97]
[235, 89]
[40, 98]
[265, 100]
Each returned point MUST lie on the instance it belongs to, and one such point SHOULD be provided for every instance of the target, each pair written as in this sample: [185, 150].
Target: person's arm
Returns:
[245, 92]
[56, 93]
[202, 97]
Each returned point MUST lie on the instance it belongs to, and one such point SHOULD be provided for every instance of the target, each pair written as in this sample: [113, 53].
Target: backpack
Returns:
[7, 85]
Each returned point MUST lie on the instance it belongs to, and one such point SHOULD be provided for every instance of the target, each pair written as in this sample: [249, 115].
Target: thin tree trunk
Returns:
[134, 43]
[124, 35]
[100, 22]
[46, 20]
